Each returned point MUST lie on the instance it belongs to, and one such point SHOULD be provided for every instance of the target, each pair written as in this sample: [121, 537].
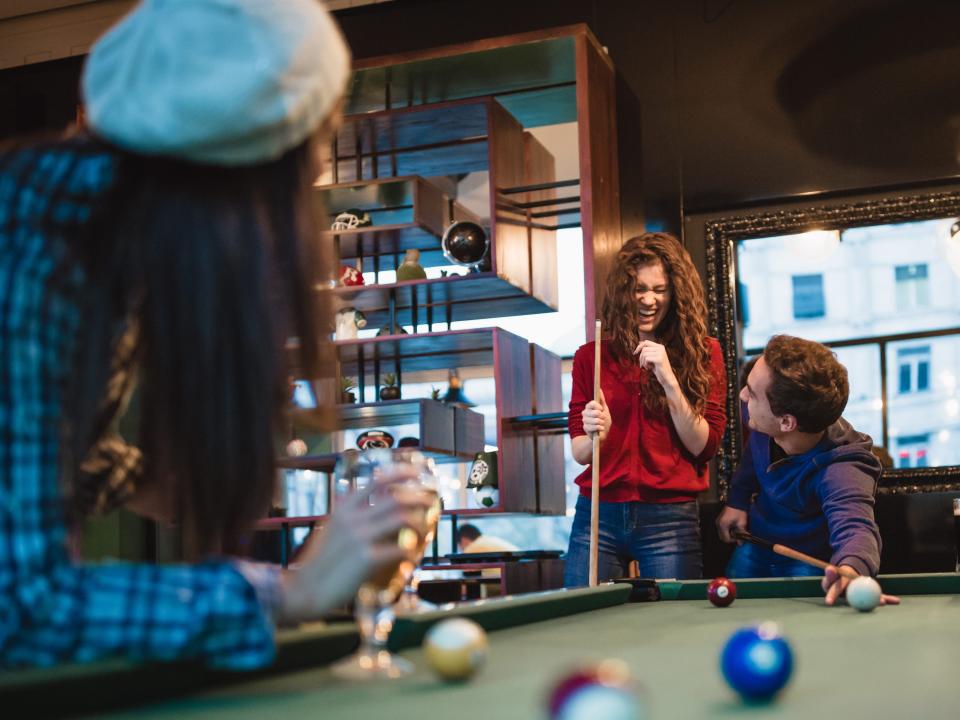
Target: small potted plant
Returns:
[390, 389]
[347, 395]
[435, 393]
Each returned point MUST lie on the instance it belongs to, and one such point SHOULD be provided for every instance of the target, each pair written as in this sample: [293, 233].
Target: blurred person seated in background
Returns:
[471, 540]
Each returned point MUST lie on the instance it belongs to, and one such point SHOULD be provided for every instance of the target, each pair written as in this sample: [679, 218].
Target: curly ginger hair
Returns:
[683, 331]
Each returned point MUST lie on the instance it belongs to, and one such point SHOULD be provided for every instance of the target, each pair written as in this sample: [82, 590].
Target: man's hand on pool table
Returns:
[836, 579]
[729, 520]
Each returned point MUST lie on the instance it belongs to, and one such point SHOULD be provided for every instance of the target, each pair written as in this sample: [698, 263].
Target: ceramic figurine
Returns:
[349, 320]
[410, 268]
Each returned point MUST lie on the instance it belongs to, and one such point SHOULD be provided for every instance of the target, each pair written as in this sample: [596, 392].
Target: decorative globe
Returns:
[465, 243]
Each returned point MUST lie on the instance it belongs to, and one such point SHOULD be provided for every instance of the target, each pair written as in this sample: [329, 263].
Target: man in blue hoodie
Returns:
[807, 478]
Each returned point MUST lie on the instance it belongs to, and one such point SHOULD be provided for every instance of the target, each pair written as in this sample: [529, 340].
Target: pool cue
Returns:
[790, 553]
[595, 467]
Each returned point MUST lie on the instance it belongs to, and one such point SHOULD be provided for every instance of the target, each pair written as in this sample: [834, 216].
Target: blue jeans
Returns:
[753, 561]
[664, 539]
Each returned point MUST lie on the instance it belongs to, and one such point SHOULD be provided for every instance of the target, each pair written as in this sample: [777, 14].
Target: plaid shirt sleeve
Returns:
[51, 609]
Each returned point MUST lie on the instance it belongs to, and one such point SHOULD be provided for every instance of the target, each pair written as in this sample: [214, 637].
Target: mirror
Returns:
[878, 280]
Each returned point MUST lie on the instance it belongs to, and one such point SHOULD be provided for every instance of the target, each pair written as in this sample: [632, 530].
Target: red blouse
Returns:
[643, 458]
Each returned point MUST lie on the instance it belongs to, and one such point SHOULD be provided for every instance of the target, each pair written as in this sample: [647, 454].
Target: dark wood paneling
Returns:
[431, 207]
[468, 432]
[510, 251]
[515, 459]
[523, 576]
[548, 398]
[599, 182]
[437, 427]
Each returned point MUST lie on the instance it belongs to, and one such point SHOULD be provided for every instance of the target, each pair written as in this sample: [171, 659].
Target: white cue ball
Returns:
[455, 648]
[863, 593]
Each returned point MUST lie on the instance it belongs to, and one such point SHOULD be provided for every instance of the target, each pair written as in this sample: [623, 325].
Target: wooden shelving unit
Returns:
[522, 489]
[445, 140]
[540, 78]
[415, 124]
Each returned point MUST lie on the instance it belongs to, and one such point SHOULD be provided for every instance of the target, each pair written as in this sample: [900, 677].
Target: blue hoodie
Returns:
[819, 502]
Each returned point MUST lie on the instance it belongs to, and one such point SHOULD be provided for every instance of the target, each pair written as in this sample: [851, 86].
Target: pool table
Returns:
[895, 662]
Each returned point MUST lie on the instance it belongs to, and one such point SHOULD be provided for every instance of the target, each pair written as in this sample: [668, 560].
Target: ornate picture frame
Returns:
[720, 236]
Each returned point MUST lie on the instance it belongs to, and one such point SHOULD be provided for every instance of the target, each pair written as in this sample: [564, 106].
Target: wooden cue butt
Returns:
[595, 468]
[810, 560]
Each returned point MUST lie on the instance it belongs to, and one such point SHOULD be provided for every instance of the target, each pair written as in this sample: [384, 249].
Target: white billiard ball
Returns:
[863, 593]
[455, 648]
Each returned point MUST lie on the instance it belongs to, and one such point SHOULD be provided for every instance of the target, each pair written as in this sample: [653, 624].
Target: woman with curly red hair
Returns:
[659, 417]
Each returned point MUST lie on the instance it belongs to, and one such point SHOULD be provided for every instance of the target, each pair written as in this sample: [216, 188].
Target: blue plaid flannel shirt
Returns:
[53, 609]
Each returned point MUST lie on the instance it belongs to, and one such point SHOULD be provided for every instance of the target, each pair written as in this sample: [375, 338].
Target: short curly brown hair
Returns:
[808, 382]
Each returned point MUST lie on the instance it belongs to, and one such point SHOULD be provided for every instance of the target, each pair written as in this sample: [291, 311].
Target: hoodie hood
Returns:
[843, 443]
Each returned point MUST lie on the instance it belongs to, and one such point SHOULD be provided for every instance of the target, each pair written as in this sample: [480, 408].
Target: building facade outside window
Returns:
[913, 290]
[914, 369]
[912, 450]
[883, 297]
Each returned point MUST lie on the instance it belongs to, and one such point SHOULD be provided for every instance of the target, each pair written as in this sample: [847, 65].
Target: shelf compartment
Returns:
[441, 300]
[407, 213]
[448, 138]
[424, 351]
[533, 79]
[447, 433]
[419, 141]
[510, 357]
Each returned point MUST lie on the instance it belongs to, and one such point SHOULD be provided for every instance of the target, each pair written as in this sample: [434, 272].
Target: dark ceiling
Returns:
[720, 103]
[728, 102]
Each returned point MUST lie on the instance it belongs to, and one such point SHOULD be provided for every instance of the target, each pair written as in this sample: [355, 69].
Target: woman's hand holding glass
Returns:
[357, 542]
[405, 481]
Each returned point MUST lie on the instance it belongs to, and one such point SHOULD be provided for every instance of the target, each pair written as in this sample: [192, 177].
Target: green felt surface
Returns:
[79, 690]
[511, 611]
[894, 662]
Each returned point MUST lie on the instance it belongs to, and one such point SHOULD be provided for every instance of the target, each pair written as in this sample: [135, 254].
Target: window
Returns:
[912, 288]
[913, 371]
[912, 450]
[887, 293]
[808, 299]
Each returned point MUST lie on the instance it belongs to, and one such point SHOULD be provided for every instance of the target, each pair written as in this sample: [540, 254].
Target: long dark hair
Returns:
[218, 266]
[683, 331]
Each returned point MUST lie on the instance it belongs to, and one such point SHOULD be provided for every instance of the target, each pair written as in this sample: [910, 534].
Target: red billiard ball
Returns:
[721, 592]
[602, 690]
